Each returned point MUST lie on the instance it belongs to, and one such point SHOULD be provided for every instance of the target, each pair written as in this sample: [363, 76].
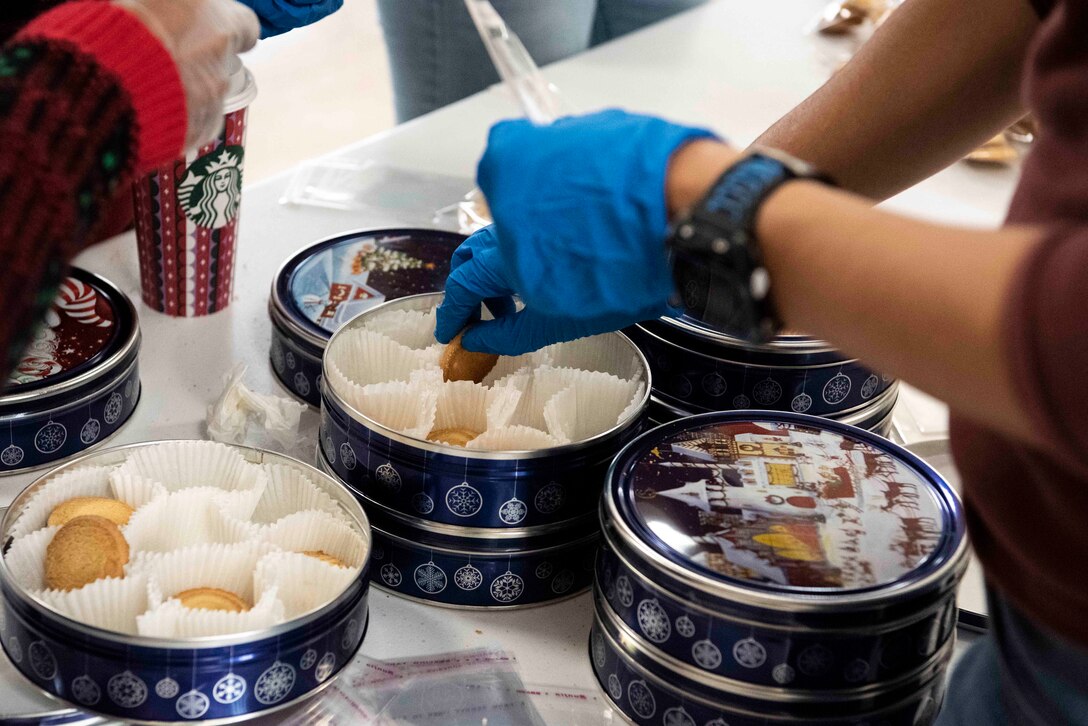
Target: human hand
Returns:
[202, 36]
[279, 16]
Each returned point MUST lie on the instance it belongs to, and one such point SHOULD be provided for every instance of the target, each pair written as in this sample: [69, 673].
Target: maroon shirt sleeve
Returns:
[1042, 7]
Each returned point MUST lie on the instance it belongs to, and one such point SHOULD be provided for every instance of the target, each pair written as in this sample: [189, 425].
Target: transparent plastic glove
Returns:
[202, 36]
[279, 16]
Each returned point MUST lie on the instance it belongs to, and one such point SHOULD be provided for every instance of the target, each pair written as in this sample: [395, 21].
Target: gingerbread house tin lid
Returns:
[324, 285]
[784, 511]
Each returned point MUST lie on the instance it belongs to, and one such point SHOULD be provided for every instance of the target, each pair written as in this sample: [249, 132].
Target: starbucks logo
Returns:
[212, 188]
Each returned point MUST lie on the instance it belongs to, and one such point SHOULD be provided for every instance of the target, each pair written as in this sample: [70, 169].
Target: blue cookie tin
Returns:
[326, 284]
[151, 680]
[78, 381]
[703, 370]
[781, 551]
[456, 486]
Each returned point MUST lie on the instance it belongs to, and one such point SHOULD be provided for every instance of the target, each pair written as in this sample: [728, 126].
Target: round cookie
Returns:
[325, 557]
[212, 598]
[87, 548]
[459, 364]
[116, 511]
[453, 437]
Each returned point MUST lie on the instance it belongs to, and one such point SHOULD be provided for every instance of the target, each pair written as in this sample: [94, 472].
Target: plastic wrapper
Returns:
[242, 416]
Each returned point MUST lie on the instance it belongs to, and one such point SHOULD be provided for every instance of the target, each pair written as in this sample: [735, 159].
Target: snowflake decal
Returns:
[507, 587]
[815, 660]
[706, 654]
[549, 499]
[856, 671]
[325, 667]
[422, 503]
[167, 688]
[388, 476]
[615, 688]
[351, 635]
[685, 626]
[274, 684]
[42, 661]
[90, 431]
[390, 575]
[801, 403]
[641, 699]
[192, 705]
[15, 650]
[379, 553]
[837, 389]
[11, 456]
[112, 412]
[302, 384]
[741, 401]
[50, 437]
[85, 690]
[714, 384]
[767, 392]
[682, 386]
[624, 592]
[747, 652]
[653, 621]
[347, 456]
[430, 578]
[127, 690]
[513, 511]
[783, 674]
[677, 716]
[229, 688]
[600, 655]
[329, 448]
[290, 359]
[308, 659]
[563, 582]
[544, 570]
[468, 578]
[277, 356]
[463, 500]
[868, 388]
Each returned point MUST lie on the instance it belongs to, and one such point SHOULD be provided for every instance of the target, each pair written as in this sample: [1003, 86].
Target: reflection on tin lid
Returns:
[784, 504]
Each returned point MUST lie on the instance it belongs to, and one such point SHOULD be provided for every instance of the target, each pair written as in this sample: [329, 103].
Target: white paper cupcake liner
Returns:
[513, 438]
[135, 491]
[363, 357]
[87, 481]
[25, 558]
[607, 353]
[547, 381]
[510, 365]
[411, 328]
[227, 567]
[181, 465]
[404, 407]
[290, 490]
[589, 406]
[184, 518]
[318, 532]
[632, 406]
[171, 619]
[111, 603]
[304, 583]
[462, 405]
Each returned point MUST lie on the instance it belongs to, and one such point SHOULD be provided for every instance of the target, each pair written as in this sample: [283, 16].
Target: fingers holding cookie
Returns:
[459, 364]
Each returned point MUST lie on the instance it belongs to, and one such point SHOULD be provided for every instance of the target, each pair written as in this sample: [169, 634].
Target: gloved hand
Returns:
[279, 16]
[202, 36]
[579, 233]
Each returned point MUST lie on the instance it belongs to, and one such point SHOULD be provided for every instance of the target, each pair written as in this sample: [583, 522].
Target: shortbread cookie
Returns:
[112, 509]
[87, 548]
[325, 557]
[454, 437]
[212, 598]
[459, 364]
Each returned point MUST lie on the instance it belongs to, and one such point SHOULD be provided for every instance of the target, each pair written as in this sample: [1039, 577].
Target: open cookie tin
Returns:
[79, 380]
[324, 285]
[219, 679]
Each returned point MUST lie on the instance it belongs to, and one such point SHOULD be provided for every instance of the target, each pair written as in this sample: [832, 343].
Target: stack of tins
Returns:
[77, 382]
[467, 528]
[773, 570]
[698, 370]
[326, 284]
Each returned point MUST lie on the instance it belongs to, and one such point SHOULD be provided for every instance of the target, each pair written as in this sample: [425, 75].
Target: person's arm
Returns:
[936, 80]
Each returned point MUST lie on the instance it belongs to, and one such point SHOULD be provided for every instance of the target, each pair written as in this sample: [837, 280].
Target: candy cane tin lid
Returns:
[784, 511]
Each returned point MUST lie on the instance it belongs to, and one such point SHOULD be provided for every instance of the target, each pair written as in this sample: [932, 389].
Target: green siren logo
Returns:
[212, 188]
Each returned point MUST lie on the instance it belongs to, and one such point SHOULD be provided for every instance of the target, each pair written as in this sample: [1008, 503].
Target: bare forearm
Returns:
[937, 79]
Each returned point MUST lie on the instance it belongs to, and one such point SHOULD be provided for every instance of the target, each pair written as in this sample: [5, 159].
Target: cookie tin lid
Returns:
[324, 285]
[784, 511]
[785, 350]
[89, 330]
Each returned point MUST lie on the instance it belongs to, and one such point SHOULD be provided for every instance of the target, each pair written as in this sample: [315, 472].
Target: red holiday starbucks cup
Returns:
[187, 217]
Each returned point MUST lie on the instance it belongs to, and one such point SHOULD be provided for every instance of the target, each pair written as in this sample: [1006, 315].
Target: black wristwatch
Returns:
[716, 259]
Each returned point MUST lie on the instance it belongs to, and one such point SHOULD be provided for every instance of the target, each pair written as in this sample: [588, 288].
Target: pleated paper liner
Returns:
[26, 558]
[181, 465]
[171, 619]
[590, 405]
[136, 491]
[290, 490]
[400, 405]
[304, 583]
[513, 438]
[226, 567]
[508, 365]
[475, 407]
[184, 518]
[411, 328]
[318, 532]
[364, 357]
[111, 603]
[87, 481]
[601, 353]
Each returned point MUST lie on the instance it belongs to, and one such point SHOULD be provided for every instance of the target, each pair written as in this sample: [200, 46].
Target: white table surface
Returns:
[736, 67]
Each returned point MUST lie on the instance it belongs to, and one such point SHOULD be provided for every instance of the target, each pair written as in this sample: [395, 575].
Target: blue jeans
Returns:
[437, 58]
[1018, 674]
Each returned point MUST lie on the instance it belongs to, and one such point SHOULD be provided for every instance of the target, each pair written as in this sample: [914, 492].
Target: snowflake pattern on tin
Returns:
[653, 621]
[274, 684]
[468, 577]
[430, 578]
[15, 649]
[50, 437]
[685, 626]
[715, 384]
[128, 389]
[815, 660]
[302, 384]
[868, 388]
[677, 716]
[329, 448]
[600, 655]
[563, 582]
[801, 403]
[422, 503]
[717, 722]
[748, 652]
[507, 587]
[624, 592]
[112, 412]
[388, 476]
[127, 690]
[85, 690]
[783, 674]
[741, 401]
[641, 699]
[229, 688]
[683, 387]
[308, 659]
[167, 688]
[11, 455]
[463, 500]
[90, 431]
[390, 575]
[767, 392]
[513, 511]
[615, 688]
[289, 358]
[278, 361]
[544, 570]
[325, 667]
[856, 671]
[351, 635]
[837, 389]
[706, 654]
[192, 705]
[42, 661]
[549, 499]
[347, 456]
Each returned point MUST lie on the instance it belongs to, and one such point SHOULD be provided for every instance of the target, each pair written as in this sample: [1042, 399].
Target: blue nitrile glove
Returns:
[279, 16]
[579, 233]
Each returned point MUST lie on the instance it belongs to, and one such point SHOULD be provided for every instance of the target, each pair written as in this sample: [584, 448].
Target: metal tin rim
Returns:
[736, 343]
[252, 454]
[291, 328]
[79, 401]
[495, 608]
[459, 452]
[127, 348]
[581, 542]
[955, 562]
[779, 694]
[782, 344]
